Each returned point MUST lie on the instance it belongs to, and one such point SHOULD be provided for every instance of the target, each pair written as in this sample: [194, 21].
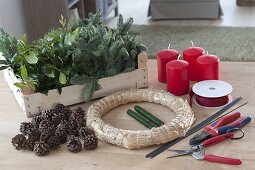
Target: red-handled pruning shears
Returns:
[221, 126]
[198, 151]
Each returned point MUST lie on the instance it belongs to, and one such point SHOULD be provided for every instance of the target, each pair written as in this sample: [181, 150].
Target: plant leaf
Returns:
[75, 34]
[68, 39]
[23, 72]
[20, 85]
[90, 89]
[51, 75]
[31, 58]
[62, 78]
[48, 71]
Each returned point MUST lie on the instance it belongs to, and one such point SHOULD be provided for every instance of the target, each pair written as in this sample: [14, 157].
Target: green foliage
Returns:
[90, 88]
[8, 45]
[80, 52]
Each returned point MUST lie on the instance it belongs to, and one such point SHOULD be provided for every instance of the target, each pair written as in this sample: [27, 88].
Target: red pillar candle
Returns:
[177, 77]
[208, 67]
[190, 55]
[163, 57]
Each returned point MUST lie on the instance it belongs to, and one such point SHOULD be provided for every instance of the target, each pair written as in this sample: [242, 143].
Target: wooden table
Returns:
[240, 75]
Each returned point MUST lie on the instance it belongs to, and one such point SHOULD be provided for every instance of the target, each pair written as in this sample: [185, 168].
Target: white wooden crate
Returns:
[32, 104]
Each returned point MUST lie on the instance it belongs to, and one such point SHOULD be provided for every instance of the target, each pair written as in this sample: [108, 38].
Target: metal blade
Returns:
[178, 150]
[180, 154]
[183, 152]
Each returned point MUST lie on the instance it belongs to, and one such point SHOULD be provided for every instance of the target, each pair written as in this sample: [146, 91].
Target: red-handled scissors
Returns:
[198, 151]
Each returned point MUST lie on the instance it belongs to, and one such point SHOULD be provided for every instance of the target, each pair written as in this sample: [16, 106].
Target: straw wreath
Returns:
[132, 139]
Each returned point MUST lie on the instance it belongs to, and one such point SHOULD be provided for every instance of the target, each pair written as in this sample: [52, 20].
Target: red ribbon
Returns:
[209, 102]
[212, 102]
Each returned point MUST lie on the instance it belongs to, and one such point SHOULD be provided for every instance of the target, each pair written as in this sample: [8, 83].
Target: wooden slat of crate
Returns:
[245, 2]
[10, 78]
[33, 103]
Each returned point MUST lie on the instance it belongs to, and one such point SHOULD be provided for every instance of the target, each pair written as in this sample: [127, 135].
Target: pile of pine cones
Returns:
[54, 127]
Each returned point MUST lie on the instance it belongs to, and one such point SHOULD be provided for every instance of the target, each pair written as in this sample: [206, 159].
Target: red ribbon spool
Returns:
[211, 93]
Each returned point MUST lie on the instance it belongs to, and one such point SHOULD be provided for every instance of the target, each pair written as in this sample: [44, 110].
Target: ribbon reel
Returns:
[211, 93]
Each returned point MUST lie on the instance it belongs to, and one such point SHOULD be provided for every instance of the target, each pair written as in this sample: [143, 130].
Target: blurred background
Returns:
[36, 17]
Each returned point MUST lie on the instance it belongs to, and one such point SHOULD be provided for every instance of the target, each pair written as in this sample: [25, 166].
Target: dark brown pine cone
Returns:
[46, 134]
[66, 113]
[26, 128]
[62, 111]
[45, 124]
[90, 142]
[18, 141]
[29, 144]
[59, 107]
[36, 121]
[74, 144]
[63, 125]
[47, 114]
[80, 111]
[78, 116]
[84, 131]
[61, 132]
[53, 142]
[72, 128]
[41, 148]
[62, 138]
[35, 134]
[56, 120]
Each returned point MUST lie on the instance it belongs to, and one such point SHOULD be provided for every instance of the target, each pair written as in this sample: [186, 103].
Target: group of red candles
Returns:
[195, 66]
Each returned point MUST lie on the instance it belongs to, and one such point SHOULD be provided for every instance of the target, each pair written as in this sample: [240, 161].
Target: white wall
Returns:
[12, 18]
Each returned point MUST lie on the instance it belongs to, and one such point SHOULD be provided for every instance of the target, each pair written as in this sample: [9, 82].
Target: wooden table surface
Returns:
[240, 75]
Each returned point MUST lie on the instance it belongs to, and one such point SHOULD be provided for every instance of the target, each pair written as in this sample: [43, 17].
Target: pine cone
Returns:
[80, 111]
[74, 144]
[55, 120]
[35, 134]
[66, 113]
[63, 127]
[84, 131]
[36, 121]
[72, 128]
[45, 124]
[61, 138]
[29, 144]
[18, 141]
[59, 107]
[78, 116]
[53, 142]
[61, 132]
[62, 111]
[26, 128]
[90, 142]
[41, 148]
[46, 134]
[47, 114]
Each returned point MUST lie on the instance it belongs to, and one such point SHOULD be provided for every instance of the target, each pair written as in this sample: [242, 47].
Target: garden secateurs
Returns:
[198, 151]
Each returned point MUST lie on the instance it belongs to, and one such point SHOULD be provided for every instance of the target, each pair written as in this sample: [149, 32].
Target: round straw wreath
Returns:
[132, 139]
